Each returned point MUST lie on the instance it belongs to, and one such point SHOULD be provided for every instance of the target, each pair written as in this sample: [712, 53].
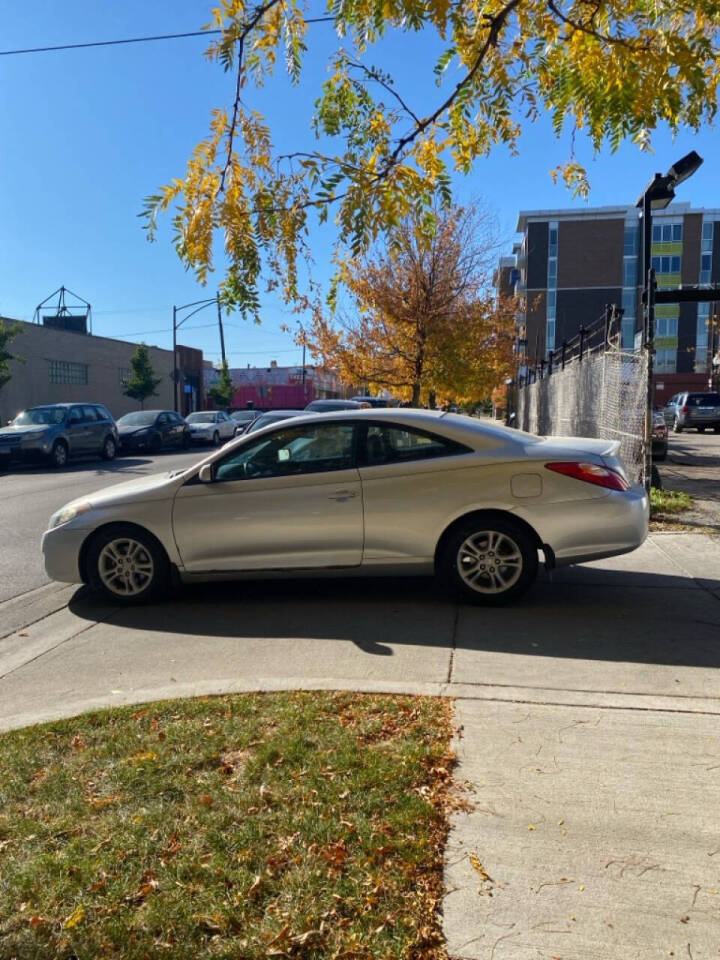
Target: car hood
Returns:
[158, 486]
[126, 429]
[201, 426]
[29, 429]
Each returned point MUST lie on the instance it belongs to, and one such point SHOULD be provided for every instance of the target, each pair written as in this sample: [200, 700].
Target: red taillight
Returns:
[590, 473]
[684, 410]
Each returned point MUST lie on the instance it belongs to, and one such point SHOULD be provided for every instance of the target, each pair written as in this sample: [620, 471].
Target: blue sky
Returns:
[87, 134]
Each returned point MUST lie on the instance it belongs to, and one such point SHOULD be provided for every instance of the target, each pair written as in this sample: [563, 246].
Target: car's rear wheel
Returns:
[701, 429]
[185, 443]
[109, 449]
[489, 562]
[127, 565]
[216, 439]
[156, 443]
[59, 454]
[677, 426]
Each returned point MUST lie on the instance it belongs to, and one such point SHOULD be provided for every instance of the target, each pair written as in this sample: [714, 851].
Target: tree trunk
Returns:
[416, 395]
[431, 400]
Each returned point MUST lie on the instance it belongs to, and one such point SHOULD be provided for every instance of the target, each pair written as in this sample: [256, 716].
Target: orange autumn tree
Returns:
[424, 322]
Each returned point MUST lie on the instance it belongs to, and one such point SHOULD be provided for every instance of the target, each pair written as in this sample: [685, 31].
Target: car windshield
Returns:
[201, 418]
[704, 400]
[243, 415]
[139, 419]
[40, 416]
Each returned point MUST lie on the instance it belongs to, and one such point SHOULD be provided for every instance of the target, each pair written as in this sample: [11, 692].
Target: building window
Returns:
[630, 248]
[64, 371]
[701, 338]
[125, 374]
[665, 361]
[551, 303]
[667, 233]
[630, 272]
[667, 264]
[705, 267]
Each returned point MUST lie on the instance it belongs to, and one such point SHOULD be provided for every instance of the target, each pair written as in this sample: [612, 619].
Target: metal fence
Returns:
[591, 387]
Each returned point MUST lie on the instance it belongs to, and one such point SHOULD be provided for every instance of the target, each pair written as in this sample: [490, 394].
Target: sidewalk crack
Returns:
[453, 645]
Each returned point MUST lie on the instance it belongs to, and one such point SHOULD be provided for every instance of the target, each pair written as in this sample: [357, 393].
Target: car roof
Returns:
[270, 413]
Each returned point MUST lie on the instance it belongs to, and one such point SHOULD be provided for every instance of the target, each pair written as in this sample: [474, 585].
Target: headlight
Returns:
[68, 513]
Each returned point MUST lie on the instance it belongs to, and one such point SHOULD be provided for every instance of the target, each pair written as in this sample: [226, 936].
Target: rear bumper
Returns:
[583, 530]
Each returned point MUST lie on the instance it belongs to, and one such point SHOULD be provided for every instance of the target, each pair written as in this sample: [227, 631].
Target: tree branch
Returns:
[591, 31]
[373, 75]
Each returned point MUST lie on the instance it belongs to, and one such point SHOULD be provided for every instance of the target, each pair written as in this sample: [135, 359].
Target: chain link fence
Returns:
[592, 388]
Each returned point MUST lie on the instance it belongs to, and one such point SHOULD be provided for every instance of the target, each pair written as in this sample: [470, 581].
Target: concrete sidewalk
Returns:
[594, 701]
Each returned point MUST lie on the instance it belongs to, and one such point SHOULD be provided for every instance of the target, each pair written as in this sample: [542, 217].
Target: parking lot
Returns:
[693, 466]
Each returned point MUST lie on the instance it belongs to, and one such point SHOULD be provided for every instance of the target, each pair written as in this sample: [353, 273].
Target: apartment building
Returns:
[570, 263]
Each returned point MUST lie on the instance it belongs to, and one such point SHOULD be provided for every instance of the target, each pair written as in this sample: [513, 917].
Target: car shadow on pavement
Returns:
[582, 612]
[102, 467]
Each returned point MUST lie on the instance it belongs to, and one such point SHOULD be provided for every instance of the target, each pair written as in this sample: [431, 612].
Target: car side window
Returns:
[311, 448]
[395, 444]
[90, 415]
[164, 418]
[75, 417]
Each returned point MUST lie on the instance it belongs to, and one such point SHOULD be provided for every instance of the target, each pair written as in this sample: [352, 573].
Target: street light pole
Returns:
[656, 196]
[222, 335]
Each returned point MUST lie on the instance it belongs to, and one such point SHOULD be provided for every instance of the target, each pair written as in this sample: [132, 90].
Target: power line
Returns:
[114, 43]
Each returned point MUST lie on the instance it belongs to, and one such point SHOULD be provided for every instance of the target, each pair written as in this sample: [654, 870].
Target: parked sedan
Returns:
[328, 406]
[367, 492]
[56, 431]
[152, 430]
[273, 416]
[210, 426]
[244, 419]
[659, 437]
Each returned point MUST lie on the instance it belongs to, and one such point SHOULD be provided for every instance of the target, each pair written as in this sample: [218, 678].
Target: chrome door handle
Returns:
[342, 495]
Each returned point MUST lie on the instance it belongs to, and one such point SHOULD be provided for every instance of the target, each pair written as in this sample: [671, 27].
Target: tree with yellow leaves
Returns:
[612, 70]
[423, 323]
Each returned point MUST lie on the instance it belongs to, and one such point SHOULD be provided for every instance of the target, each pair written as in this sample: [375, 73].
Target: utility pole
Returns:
[175, 370]
[222, 335]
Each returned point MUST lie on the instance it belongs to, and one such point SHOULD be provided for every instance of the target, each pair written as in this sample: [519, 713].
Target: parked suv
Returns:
[698, 410]
[56, 431]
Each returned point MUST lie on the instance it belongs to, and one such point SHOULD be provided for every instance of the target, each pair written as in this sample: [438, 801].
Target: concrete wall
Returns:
[108, 361]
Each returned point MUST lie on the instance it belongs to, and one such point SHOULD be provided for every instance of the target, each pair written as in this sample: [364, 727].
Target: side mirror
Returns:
[206, 473]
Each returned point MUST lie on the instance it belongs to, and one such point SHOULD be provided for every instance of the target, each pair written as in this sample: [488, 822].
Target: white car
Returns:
[365, 492]
[210, 426]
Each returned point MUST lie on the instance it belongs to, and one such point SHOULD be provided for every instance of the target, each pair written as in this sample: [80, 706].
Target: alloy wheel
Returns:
[489, 562]
[126, 567]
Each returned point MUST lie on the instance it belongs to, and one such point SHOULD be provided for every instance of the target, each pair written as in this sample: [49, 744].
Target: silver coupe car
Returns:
[364, 492]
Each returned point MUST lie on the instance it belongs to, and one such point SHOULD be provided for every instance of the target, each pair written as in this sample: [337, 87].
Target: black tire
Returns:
[109, 448]
[216, 439]
[454, 551]
[655, 480]
[701, 429]
[185, 443]
[677, 426]
[156, 444]
[152, 562]
[716, 429]
[59, 455]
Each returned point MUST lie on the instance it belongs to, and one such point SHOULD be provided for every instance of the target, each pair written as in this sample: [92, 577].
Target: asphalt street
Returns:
[30, 495]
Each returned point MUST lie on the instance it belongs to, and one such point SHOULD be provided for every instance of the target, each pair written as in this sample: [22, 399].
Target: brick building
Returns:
[570, 263]
[275, 387]
[69, 365]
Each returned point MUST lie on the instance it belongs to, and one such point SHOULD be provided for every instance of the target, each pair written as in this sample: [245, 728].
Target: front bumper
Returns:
[61, 552]
[201, 437]
[132, 442]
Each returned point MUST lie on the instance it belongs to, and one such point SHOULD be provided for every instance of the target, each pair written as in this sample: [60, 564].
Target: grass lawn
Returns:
[664, 502]
[250, 826]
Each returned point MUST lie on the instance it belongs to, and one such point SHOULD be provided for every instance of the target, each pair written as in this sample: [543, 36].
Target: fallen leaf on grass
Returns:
[77, 743]
[76, 917]
[141, 757]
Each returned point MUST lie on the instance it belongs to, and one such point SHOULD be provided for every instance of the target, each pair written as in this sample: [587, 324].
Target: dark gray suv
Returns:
[698, 410]
[56, 431]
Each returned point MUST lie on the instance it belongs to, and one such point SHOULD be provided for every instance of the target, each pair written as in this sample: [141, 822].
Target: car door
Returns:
[164, 427]
[95, 428]
[669, 411]
[289, 499]
[412, 481]
[78, 431]
[176, 427]
[226, 426]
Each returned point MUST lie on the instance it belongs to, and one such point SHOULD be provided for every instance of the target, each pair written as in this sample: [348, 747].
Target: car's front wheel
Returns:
[677, 426]
[701, 429]
[127, 564]
[216, 439]
[488, 562]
